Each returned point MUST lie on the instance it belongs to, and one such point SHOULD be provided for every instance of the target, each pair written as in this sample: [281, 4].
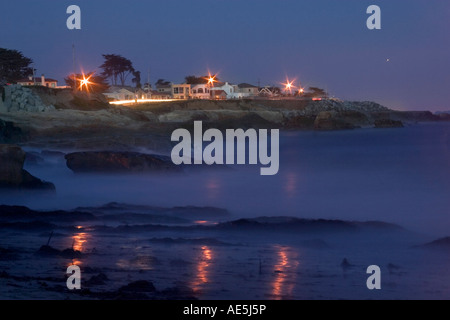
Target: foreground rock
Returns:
[12, 175]
[9, 133]
[118, 162]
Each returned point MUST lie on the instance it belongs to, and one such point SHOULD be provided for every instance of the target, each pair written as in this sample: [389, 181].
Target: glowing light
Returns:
[211, 79]
[124, 102]
[285, 271]
[84, 82]
[202, 274]
[289, 85]
[79, 241]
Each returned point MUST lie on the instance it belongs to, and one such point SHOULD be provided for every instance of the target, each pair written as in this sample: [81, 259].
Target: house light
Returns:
[211, 79]
[85, 82]
[289, 85]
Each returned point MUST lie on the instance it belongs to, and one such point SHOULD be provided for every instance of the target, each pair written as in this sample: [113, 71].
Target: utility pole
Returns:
[74, 72]
[34, 75]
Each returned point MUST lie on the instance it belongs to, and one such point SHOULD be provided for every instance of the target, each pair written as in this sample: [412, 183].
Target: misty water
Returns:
[394, 175]
[399, 176]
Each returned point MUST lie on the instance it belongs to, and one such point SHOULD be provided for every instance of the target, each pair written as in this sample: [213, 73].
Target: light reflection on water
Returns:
[202, 272]
[79, 242]
[213, 188]
[290, 186]
[285, 272]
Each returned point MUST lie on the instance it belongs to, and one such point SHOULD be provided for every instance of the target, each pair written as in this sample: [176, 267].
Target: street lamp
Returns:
[289, 85]
[84, 82]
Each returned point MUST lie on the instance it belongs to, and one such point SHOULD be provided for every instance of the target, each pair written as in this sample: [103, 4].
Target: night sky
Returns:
[322, 43]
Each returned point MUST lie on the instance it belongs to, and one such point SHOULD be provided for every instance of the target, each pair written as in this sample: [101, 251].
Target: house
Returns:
[120, 93]
[229, 89]
[200, 91]
[156, 95]
[42, 81]
[176, 91]
[164, 88]
[243, 90]
[181, 91]
[143, 94]
[248, 90]
[218, 95]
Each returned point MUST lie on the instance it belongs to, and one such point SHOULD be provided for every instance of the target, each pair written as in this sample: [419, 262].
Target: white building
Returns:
[200, 91]
[120, 94]
[231, 90]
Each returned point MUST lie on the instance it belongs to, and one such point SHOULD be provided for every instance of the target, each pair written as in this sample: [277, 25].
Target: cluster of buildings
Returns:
[218, 91]
[168, 91]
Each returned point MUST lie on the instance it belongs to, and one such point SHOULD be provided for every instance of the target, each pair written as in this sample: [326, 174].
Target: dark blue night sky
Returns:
[322, 43]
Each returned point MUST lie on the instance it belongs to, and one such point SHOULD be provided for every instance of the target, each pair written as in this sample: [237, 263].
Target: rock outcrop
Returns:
[12, 174]
[9, 133]
[387, 123]
[443, 243]
[331, 120]
[18, 98]
[118, 162]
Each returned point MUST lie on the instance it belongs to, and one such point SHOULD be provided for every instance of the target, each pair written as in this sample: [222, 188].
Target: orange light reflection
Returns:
[285, 273]
[202, 268]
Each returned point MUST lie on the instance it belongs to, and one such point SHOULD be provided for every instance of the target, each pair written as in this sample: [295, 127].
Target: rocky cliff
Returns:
[87, 122]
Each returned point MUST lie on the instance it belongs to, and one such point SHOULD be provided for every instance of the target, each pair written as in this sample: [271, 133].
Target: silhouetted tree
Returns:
[137, 79]
[314, 92]
[14, 66]
[199, 80]
[162, 82]
[195, 80]
[116, 68]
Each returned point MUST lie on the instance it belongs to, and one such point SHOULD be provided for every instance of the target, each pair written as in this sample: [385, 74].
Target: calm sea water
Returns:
[394, 175]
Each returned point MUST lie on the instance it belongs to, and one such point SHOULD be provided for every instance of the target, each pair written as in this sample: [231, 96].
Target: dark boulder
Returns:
[12, 175]
[49, 251]
[387, 123]
[330, 120]
[118, 162]
[97, 280]
[139, 286]
[9, 133]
